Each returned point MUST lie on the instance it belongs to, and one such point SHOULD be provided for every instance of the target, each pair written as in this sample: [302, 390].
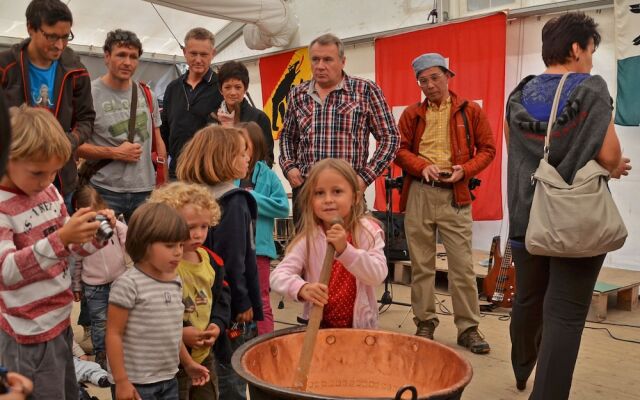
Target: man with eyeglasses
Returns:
[445, 141]
[43, 72]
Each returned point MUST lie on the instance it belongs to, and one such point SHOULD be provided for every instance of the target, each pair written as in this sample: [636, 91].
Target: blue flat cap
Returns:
[429, 60]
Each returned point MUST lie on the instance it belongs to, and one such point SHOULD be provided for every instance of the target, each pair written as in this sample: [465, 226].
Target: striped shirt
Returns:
[35, 294]
[435, 145]
[338, 127]
[151, 341]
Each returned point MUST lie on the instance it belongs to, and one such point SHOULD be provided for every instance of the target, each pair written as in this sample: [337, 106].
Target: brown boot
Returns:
[425, 328]
[473, 340]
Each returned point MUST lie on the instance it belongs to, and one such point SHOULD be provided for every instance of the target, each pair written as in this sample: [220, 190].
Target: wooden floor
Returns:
[606, 368]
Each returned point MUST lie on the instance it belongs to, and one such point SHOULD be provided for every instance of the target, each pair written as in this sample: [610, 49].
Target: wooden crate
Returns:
[614, 281]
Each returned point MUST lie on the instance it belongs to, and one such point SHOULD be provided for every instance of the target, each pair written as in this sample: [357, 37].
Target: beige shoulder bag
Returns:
[577, 220]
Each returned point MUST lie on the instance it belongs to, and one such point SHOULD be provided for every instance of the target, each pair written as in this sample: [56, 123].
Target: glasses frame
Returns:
[436, 77]
[53, 38]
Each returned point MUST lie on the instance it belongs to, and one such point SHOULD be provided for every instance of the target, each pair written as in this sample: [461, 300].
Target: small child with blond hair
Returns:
[205, 296]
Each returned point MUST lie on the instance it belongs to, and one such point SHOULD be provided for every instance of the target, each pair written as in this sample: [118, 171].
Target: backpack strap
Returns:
[157, 160]
[214, 256]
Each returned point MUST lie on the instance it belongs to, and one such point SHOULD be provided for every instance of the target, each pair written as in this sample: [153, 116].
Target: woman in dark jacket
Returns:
[553, 293]
[233, 80]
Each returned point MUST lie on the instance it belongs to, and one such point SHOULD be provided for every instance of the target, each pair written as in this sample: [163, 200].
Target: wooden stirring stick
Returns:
[315, 317]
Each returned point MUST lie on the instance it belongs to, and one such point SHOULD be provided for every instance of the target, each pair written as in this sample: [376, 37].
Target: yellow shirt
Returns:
[197, 281]
[435, 145]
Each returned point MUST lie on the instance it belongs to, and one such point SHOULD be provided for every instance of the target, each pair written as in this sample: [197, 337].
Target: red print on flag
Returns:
[476, 53]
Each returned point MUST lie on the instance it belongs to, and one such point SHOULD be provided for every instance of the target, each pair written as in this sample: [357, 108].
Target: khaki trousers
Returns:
[430, 208]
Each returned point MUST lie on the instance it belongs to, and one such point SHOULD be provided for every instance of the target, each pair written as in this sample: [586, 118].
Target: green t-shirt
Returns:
[197, 296]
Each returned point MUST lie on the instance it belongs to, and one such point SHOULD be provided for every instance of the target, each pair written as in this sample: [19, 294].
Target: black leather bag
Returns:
[396, 248]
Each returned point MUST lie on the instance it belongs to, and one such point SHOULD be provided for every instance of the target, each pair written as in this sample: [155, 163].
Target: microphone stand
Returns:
[389, 184]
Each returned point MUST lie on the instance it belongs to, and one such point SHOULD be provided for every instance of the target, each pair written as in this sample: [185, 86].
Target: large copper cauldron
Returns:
[353, 363]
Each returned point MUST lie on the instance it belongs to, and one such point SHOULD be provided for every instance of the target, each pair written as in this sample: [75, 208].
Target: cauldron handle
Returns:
[414, 392]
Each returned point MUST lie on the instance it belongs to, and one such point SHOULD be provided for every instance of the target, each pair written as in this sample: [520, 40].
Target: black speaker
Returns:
[395, 240]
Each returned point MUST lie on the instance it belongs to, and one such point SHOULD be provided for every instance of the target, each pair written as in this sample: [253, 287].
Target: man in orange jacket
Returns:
[445, 141]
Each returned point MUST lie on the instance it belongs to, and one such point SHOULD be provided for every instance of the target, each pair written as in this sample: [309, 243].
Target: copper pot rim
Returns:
[236, 362]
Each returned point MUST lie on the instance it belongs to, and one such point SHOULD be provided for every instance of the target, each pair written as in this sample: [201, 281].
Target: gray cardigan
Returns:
[577, 137]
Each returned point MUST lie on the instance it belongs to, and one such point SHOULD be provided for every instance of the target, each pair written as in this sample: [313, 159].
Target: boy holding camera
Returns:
[36, 238]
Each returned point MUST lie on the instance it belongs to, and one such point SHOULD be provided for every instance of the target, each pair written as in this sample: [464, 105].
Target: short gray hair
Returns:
[329, 39]
[200, 34]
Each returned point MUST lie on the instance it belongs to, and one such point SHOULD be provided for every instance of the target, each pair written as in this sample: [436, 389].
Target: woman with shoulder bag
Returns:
[554, 292]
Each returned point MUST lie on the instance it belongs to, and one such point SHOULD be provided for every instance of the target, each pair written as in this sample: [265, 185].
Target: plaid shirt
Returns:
[339, 128]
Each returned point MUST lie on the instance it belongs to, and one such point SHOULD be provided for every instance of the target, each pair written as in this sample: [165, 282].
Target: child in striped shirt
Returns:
[36, 238]
[144, 319]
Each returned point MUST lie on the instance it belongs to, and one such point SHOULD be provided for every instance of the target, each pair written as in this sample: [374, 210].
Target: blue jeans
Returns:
[97, 302]
[68, 203]
[230, 385]
[163, 390]
[123, 203]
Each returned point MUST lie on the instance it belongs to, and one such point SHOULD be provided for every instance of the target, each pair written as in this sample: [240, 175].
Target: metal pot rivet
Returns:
[274, 351]
[415, 347]
[331, 339]
[370, 340]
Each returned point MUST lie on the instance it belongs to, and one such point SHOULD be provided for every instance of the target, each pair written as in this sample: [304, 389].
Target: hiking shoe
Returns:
[425, 328]
[103, 382]
[473, 340]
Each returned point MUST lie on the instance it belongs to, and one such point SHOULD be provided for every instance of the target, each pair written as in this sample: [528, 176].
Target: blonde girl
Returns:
[215, 157]
[329, 194]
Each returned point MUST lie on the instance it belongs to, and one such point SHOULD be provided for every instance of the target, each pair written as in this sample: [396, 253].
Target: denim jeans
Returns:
[123, 203]
[163, 390]
[230, 385]
[97, 302]
[69, 203]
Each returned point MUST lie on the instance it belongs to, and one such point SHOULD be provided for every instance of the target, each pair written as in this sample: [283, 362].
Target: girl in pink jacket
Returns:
[332, 191]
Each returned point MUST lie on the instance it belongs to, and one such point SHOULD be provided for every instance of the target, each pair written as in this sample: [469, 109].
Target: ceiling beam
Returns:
[228, 34]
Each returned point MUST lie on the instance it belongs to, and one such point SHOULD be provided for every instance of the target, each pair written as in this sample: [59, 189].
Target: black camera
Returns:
[474, 183]
[104, 231]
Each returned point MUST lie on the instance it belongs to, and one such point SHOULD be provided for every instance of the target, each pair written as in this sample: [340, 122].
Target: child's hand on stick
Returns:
[337, 236]
[315, 293]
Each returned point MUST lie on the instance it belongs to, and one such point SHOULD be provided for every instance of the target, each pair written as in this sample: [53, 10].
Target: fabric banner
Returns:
[475, 50]
[279, 73]
[627, 16]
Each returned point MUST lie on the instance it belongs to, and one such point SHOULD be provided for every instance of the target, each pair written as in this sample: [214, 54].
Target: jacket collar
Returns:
[210, 77]
[456, 103]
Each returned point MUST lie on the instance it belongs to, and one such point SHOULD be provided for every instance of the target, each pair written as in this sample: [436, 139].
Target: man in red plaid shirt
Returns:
[331, 116]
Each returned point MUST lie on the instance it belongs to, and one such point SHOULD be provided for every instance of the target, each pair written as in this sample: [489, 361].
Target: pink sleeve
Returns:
[286, 278]
[368, 264]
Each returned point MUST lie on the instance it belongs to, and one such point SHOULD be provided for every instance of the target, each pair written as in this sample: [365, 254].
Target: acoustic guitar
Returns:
[500, 282]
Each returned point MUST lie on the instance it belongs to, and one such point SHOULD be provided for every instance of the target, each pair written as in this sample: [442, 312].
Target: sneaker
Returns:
[473, 340]
[103, 382]
[425, 328]
[101, 359]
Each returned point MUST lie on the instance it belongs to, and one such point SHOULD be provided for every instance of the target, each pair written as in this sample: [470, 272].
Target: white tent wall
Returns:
[523, 58]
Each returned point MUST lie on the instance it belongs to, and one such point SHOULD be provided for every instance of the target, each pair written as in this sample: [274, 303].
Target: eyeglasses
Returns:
[52, 37]
[424, 81]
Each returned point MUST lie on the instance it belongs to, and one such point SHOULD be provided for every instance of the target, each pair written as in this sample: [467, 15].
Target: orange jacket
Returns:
[412, 125]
